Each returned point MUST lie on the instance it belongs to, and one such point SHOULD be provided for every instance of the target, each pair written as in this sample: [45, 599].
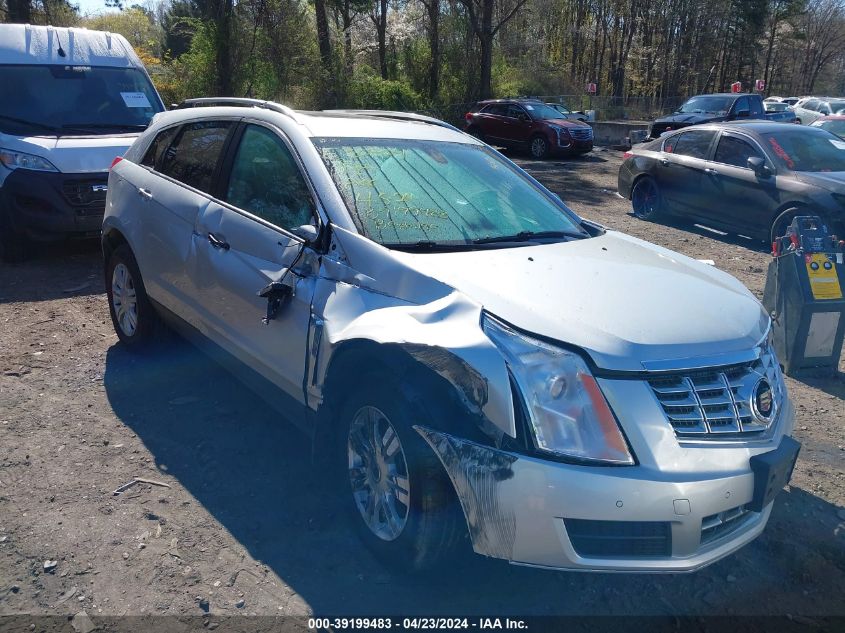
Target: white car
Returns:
[470, 356]
[72, 100]
[814, 108]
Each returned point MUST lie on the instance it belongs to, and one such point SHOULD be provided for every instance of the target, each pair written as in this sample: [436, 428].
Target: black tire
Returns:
[646, 200]
[782, 221]
[14, 246]
[147, 323]
[538, 147]
[434, 526]
[477, 133]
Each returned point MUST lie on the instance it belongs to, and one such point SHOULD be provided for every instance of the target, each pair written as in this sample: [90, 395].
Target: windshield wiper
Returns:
[428, 245]
[528, 236]
[42, 126]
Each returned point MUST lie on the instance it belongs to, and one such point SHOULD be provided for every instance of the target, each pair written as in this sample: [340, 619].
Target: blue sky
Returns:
[91, 7]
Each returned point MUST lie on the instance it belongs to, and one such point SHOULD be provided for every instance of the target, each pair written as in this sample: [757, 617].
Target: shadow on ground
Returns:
[54, 271]
[252, 472]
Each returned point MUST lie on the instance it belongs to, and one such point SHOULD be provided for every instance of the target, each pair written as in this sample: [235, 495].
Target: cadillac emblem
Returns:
[762, 401]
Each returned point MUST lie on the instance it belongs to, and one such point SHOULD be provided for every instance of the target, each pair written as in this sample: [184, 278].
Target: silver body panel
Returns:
[630, 306]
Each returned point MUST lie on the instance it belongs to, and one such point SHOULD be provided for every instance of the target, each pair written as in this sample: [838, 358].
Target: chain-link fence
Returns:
[604, 108]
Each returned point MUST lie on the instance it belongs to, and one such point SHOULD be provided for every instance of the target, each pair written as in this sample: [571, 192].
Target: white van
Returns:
[72, 100]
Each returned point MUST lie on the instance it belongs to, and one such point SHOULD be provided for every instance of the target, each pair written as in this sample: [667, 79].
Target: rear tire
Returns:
[134, 318]
[399, 498]
[646, 201]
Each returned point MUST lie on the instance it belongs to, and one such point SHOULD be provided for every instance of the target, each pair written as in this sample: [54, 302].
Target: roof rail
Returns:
[207, 102]
[398, 116]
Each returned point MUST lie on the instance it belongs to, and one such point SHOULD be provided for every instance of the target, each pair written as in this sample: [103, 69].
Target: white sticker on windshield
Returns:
[837, 144]
[528, 107]
[135, 100]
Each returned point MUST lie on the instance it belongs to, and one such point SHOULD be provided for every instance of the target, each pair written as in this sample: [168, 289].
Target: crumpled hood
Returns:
[624, 301]
[73, 154]
[831, 181]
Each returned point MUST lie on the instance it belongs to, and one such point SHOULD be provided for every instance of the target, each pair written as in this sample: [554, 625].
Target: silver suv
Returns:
[474, 358]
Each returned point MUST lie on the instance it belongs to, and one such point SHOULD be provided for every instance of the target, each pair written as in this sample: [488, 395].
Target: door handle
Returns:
[217, 242]
[711, 172]
[145, 193]
[665, 162]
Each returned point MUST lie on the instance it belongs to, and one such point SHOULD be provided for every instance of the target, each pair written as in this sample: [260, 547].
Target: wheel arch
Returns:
[111, 239]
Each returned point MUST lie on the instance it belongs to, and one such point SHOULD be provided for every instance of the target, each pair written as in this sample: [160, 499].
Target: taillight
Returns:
[116, 160]
[627, 155]
[468, 117]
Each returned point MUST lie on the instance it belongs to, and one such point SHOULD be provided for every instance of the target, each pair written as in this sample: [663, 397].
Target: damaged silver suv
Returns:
[476, 359]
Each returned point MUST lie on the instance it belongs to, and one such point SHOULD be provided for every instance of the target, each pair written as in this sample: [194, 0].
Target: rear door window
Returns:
[496, 108]
[266, 181]
[695, 143]
[158, 147]
[192, 158]
[735, 151]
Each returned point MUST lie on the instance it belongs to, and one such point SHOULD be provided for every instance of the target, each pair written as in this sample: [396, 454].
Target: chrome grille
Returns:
[581, 133]
[717, 402]
[718, 525]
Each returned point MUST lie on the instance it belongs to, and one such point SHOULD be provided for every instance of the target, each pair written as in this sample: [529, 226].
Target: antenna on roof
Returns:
[60, 50]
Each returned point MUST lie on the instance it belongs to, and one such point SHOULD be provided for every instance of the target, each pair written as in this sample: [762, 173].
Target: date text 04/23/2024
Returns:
[419, 623]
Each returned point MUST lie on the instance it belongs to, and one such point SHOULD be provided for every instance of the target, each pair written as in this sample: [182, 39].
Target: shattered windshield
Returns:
[404, 192]
[711, 105]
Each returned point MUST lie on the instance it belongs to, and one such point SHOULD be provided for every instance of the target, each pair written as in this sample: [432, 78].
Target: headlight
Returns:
[20, 160]
[560, 131]
[567, 410]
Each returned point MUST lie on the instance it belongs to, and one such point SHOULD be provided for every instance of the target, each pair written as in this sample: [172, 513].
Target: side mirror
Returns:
[758, 166]
[743, 114]
[308, 232]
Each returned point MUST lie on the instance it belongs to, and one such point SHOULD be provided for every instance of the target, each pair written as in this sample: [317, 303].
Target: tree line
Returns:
[417, 54]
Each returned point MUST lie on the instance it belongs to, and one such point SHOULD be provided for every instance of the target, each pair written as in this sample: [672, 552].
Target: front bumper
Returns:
[50, 205]
[524, 509]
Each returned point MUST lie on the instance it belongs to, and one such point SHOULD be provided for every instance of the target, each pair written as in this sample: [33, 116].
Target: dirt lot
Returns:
[244, 517]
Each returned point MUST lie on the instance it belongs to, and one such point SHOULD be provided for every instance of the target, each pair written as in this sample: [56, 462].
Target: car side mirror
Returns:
[758, 166]
[307, 232]
[743, 114]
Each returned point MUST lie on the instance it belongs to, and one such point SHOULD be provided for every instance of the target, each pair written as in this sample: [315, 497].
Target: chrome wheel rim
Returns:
[124, 300]
[538, 147]
[645, 199]
[378, 473]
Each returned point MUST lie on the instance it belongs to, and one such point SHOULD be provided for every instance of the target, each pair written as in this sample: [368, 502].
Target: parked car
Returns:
[773, 100]
[791, 101]
[710, 109]
[751, 178]
[834, 124]
[780, 112]
[528, 125]
[814, 108]
[576, 115]
[72, 100]
[394, 286]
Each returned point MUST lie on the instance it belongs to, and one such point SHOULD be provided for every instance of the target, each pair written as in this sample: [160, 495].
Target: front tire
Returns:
[400, 499]
[646, 201]
[538, 147]
[133, 315]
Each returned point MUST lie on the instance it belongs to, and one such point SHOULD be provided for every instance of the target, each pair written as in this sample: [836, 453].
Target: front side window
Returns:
[193, 156]
[734, 151]
[74, 100]
[515, 112]
[694, 143]
[405, 192]
[266, 181]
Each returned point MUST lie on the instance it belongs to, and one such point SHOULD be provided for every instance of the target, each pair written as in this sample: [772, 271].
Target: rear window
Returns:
[193, 156]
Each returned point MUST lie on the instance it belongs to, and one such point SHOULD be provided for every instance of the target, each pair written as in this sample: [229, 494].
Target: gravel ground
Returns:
[243, 524]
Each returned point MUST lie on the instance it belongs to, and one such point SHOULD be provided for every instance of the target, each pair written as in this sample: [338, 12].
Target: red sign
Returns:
[591, 88]
[760, 85]
[736, 86]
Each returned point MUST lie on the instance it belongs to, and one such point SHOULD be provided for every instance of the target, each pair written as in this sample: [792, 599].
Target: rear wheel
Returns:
[402, 502]
[133, 315]
[646, 200]
[539, 147]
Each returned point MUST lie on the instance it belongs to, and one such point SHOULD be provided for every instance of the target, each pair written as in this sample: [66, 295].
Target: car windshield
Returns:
[806, 149]
[775, 107]
[836, 126]
[837, 107]
[714, 105]
[415, 192]
[561, 108]
[541, 112]
[75, 99]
